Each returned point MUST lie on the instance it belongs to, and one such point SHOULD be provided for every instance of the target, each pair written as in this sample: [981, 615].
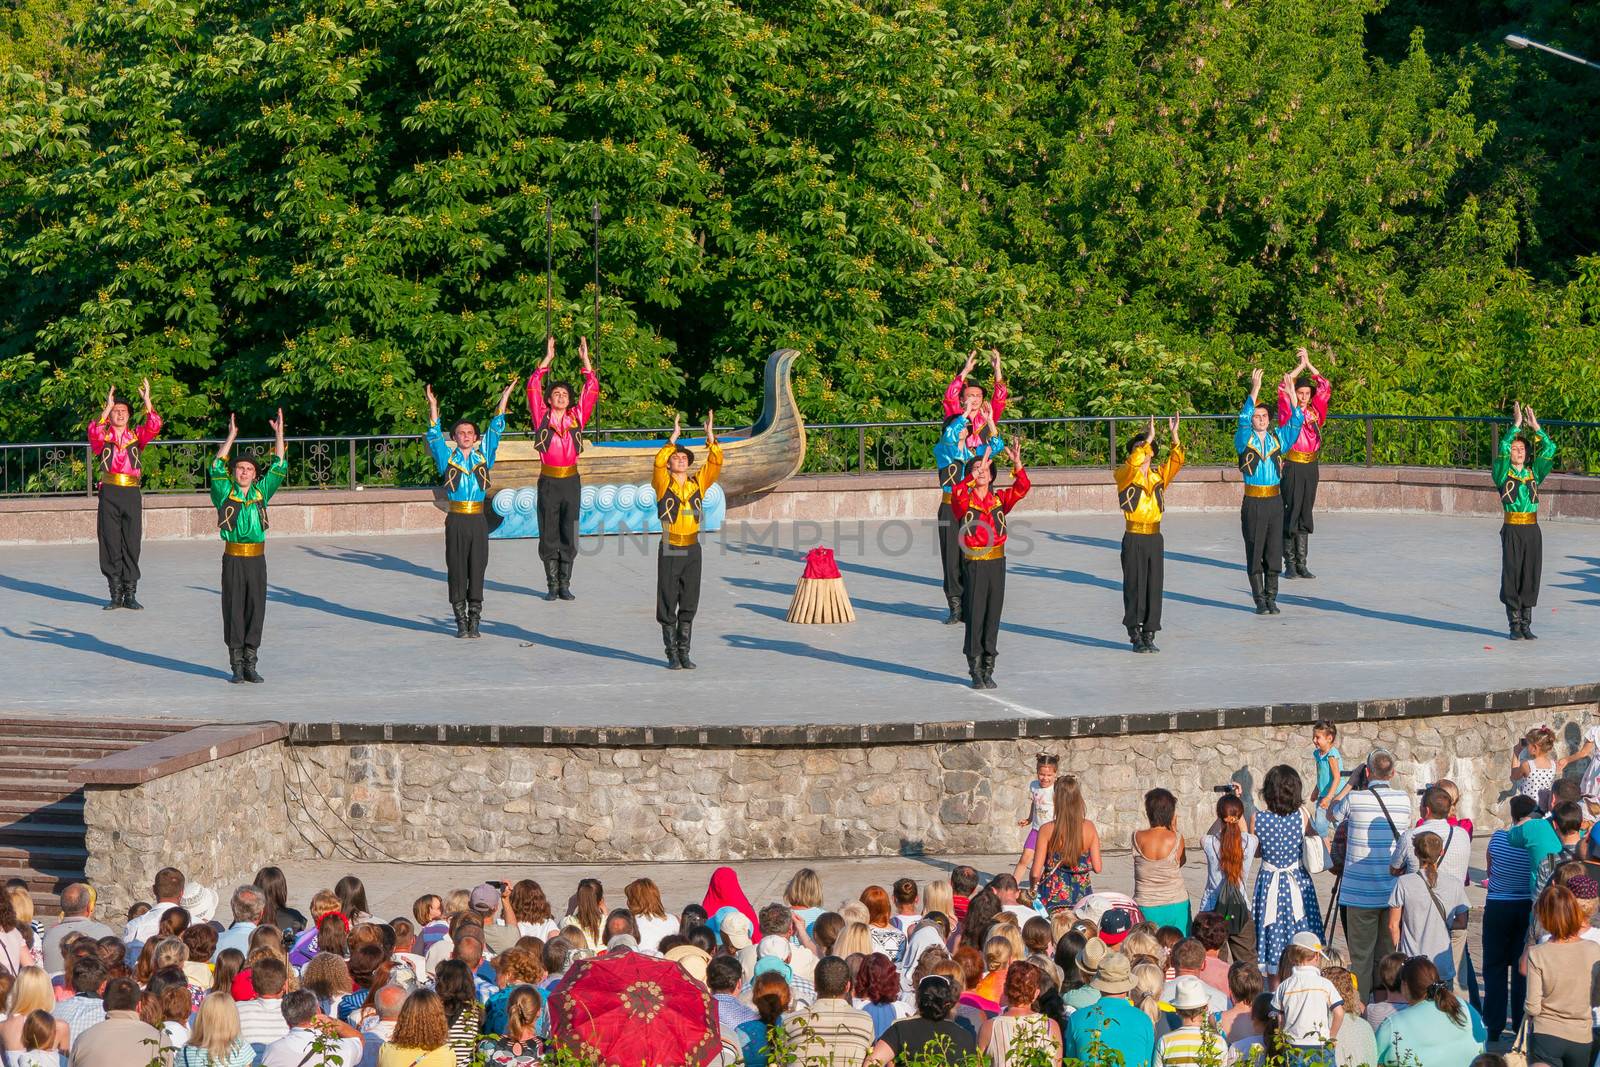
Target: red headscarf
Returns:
[724, 892]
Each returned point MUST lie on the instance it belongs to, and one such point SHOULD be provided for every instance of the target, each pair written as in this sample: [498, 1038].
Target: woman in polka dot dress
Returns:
[1285, 901]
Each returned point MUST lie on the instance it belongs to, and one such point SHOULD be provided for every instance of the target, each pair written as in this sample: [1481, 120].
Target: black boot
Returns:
[685, 632]
[1302, 544]
[955, 612]
[114, 588]
[236, 661]
[474, 614]
[552, 578]
[128, 599]
[1527, 622]
[1272, 593]
[1288, 556]
[1136, 638]
[1149, 642]
[564, 579]
[988, 671]
[461, 618]
[669, 637]
[1257, 587]
[975, 669]
[248, 656]
[1514, 623]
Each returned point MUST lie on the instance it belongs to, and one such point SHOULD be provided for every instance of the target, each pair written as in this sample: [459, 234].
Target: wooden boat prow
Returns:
[754, 459]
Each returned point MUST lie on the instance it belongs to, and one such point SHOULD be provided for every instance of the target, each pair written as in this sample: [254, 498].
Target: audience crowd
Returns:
[1034, 967]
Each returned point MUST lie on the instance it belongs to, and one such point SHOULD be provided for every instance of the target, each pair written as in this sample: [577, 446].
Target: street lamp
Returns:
[1516, 40]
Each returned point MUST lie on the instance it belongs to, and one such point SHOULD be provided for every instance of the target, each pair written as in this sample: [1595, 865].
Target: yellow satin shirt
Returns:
[681, 504]
[1141, 495]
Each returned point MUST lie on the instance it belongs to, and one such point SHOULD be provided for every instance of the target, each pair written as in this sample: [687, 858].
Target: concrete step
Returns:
[77, 750]
[28, 834]
[43, 858]
[38, 791]
[91, 729]
[47, 809]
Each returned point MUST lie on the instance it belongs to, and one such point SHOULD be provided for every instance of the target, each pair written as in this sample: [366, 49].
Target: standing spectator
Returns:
[488, 904]
[1285, 900]
[308, 1029]
[644, 901]
[1506, 910]
[1425, 906]
[248, 905]
[1211, 930]
[1019, 1021]
[1158, 855]
[421, 1036]
[1436, 1030]
[31, 992]
[1230, 852]
[1112, 1022]
[1067, 852]
[931, 1029]
[1566, 823]
[77, 917]
[1330, 765]
[121, 1039]
[1563, 983]
[1533, 766]
[1356, 1043]
[1373, 817]
[84, 1008]
[1195, 1040]
[1041, 809]
[831, 1033]
[214, 1039]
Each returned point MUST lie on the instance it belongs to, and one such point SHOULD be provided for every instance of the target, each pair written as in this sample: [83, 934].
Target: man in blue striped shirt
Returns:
[1506, 910]
[1375, 818]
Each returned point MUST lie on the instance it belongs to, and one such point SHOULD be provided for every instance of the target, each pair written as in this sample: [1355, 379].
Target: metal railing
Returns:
[66, 468]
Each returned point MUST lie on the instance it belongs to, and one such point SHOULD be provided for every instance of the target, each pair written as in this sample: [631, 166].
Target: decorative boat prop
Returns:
[753, 461]
[603, 509]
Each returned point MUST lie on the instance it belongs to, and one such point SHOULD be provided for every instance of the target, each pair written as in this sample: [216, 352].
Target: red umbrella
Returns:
[634, 1010]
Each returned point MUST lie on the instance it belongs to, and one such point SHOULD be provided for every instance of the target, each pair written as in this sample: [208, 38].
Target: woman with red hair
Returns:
[886, 937]
[877, 992]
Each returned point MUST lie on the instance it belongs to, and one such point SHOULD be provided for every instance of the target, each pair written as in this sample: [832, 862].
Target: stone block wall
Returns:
[550, 803]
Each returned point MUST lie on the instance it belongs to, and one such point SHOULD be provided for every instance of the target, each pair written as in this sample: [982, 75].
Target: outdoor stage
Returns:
[357, 630]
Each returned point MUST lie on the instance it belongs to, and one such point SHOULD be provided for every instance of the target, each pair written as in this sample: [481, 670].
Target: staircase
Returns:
[41, 813]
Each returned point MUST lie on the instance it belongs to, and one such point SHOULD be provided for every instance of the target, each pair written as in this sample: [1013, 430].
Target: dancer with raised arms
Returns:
[119, 521]
[969, 430]
[1141, 494]
[465, 460]
[981, 512]
[558, 422]
[1261, 450]
[240, 491]
[1524, 462]
[680, 503]
[1303, 472]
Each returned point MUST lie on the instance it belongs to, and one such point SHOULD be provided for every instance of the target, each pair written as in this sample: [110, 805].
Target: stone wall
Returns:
[547, 803]
[217, 822]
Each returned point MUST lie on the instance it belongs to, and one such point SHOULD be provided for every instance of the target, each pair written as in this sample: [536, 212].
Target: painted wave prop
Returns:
[604, 509]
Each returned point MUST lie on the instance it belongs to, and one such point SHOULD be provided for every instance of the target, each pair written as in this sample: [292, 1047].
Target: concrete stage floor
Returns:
[356, 629]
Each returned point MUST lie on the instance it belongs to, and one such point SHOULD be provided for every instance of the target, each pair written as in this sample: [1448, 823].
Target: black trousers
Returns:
[1558, 1051]
[244, 600]
[985, 581]
[1299, 496]
[1505, 929]
[677, 583]
[950, 551]
[559, 501]
[1521, 561]
[1261, 519]
[466, 555]
[1143, 566]
[1366, 934]
[120, 525]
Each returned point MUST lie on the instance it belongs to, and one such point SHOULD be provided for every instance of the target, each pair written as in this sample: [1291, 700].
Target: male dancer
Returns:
[556, 428]
[680, 502]
[1261, 452]
[118, 522]
[982, 515]
[240, 492]
[1521, 544]
[1300, 477]
[465, 462]
[969, 431]
[1141, 494]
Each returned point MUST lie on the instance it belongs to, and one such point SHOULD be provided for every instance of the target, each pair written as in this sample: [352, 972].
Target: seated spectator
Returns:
[831, 1032]
[1189, 958]
[877, 992]
[518, 1044]
[261, 1019]
[770, 998]
[77, 917]
[1195, 1040]
[1019, 1021]
[1436, 1030]
[121, 1039]
[84, 1008]
[214, 1039]
[1244, 985]
[1112, 1022]
[31, 992]
[931, 1032]
[314, 1039]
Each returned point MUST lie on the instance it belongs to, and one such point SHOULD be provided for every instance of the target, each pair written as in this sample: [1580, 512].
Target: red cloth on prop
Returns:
[820, 564]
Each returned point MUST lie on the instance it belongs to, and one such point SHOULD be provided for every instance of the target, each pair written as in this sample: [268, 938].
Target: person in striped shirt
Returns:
[1374, 817]
[1196, 1040]
[1508, 904]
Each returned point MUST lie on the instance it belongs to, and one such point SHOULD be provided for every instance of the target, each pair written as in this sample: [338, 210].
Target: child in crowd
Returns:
[1533, 768]
[1308, 1006]
[1041, 809]
[1196, 1039]
[906, 914]
[1330, 768]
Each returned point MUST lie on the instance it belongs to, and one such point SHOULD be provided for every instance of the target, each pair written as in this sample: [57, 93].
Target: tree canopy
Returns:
[322, 204]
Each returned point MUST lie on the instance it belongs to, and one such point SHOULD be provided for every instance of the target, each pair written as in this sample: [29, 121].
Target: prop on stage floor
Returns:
[603, 509]
[820, 596]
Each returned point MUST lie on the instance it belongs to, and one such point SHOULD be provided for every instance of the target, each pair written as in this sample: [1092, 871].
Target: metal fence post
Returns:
[1111, 438]
[352, 463]
[88, 470]
[861, 450]
[1368, 422]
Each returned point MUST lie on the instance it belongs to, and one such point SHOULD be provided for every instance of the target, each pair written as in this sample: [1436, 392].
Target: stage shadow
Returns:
[383, 561]
[1116, 546]
[1066, 574]
[1339, 606]
[277, 594]
[1586, 580]
[78, 641]
[49, 592]
[823, 655]
[496, 628]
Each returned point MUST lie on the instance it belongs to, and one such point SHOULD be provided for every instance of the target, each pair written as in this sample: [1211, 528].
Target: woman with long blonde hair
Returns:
[1068, 851]
[214, 1040]
[804, 896]
[938, 896]
[30, 991]
[857, 937]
